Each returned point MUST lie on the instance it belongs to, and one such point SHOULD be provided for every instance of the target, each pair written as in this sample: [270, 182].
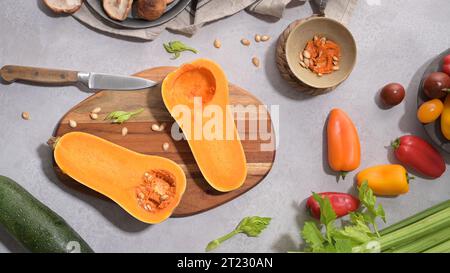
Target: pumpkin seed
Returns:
[72, 123]
[93, 116]
[96, 110]
[303, 64]
[25, 115]
[335, 58]
[257, 38]
[255, 61]
[306, 54]
[245, 42]
[217, 43]
[336, 68]
[165, 146]
[124, 131]
[265, 38]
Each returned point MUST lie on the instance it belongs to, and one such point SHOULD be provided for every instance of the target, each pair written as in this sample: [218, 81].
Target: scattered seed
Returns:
[93, 116]
[320, 74]
[265, 38]
[303, 64]
[257, 38]
[335, 68]
[155, 127]
[306, 54]
[164, 197]
[96, 110]
[147, 207]
[162, 127]
[255, 61]
[124, 131]
[335, 58]
[335, 63]
[301, 57]
[307, 62]
[146, 174]
[165, 146]
[25, 115]
[141, 195]
[323, 40]
[316, 38]
[72, 123]
[217, 43]
[245, 42]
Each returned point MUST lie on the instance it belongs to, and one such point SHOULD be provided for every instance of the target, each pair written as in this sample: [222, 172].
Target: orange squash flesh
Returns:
[220, 159]
[120, 174]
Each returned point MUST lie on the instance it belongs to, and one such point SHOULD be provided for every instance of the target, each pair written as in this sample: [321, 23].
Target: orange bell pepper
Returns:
[344, 150]
[386, 180]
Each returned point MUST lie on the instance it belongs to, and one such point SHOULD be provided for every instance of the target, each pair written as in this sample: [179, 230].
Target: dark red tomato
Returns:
[446, 59]
[416, 153]
[446, 69]
[436, 85]
[342, 203]
[392, 94]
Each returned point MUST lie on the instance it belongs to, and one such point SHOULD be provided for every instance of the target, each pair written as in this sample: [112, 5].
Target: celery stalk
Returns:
[410, 233]
[424, 243]
[415, 218]
[442, 248]
[428, 225]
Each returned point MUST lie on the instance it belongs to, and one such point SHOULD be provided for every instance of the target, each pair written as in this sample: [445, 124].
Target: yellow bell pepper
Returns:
[386, 180]
[445, 118]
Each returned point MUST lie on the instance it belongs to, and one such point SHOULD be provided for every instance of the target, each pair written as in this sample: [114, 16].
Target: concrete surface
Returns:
[395, 40]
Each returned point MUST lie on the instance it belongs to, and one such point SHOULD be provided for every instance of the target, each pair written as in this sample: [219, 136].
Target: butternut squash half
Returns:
[147, 187]
[209, 129]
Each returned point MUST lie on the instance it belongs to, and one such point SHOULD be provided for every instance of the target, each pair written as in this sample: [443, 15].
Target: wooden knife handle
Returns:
[11, 73]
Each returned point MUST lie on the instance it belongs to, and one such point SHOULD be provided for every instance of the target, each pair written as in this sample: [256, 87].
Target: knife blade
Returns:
[92, 80]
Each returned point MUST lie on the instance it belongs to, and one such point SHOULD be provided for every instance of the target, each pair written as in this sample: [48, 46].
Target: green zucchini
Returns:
[33, 224]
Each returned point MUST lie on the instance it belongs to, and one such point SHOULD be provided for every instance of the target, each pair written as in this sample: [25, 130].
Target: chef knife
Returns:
[11, 73]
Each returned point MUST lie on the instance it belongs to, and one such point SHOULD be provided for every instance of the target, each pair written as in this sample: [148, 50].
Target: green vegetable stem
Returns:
[251, 226]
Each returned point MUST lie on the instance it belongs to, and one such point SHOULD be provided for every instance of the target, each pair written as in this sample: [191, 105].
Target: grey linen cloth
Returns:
[192, 18]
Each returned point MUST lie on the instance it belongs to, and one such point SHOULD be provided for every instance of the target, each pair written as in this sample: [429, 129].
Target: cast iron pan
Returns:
[133, 22]
[434, 129]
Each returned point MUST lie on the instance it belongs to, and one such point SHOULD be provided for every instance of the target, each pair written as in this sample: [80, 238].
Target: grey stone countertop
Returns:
[395, 39]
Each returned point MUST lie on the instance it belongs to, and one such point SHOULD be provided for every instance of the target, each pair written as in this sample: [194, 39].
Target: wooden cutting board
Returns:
[199, 195]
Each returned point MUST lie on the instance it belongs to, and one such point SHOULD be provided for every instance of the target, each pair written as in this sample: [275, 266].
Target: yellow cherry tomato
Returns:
[430, 111]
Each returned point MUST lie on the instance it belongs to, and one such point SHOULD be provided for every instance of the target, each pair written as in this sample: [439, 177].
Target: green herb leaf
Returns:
[343, 246]
[327, 213]
[122, 116]
[251, 226]
[176, 47]
[313, 237]
[369, 201]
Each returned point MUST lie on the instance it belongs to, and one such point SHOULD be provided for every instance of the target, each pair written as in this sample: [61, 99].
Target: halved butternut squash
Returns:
[147, 187]
[219, 156]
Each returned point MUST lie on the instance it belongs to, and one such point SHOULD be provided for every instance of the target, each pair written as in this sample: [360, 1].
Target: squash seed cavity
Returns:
[157, 190]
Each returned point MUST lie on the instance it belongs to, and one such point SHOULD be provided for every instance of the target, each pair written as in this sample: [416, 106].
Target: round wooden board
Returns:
[199, 195]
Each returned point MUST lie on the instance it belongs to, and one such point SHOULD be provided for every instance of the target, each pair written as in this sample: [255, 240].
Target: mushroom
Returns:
[117, 9]
[63, 6]
[151, 9]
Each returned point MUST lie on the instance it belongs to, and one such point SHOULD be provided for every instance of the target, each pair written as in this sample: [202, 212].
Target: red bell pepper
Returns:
[416, 153]
[342, 204]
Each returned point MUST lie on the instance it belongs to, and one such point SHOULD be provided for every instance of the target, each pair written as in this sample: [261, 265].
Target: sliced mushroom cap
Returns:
[117, 9]
[151, 9]
[64, 6]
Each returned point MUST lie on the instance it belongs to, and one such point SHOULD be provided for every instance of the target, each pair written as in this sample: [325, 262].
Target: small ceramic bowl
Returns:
[332, 30]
